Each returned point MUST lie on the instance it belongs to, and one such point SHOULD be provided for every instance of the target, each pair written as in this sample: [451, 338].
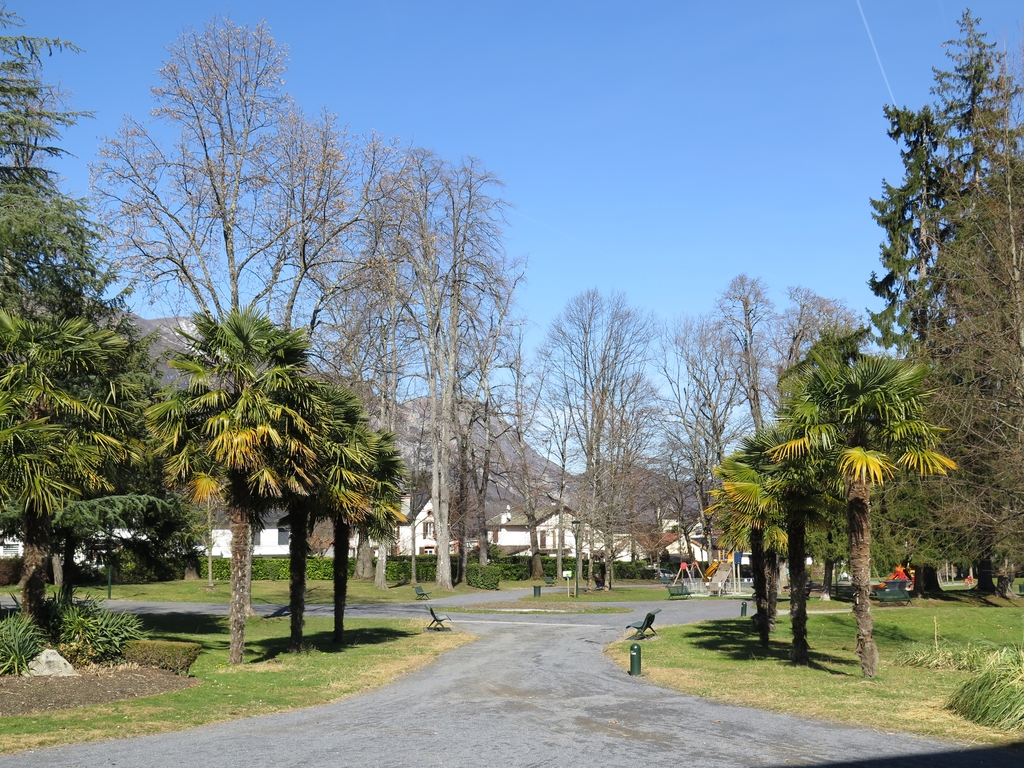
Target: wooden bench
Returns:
[420, 594]
[677, 590]
[666, 580]
[891, 595]
[549, 581]
[641, 627]
[842, 590]
[437, 620]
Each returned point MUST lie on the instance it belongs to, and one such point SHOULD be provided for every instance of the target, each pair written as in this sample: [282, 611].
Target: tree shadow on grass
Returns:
[735, 639]
[271, 647]
[170, 626]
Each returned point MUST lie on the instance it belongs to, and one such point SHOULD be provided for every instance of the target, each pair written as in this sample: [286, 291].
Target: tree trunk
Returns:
[536, 566]
[772, 577]
[984, 582]
[926, 579]
[364, 558]
[341, 535]
[858, 512]
[248, 575]
[241, 560]
[1004, 580]
[37, 534]
[58, 571]
[796, 532]
[380, 580]
[412, 541]
[559, 546]
[827, 579]
[759, 566]
[298, 551]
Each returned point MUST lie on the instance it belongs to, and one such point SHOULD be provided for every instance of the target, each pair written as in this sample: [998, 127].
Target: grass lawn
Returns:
[722, 660]
[274, 592]
[272, 680]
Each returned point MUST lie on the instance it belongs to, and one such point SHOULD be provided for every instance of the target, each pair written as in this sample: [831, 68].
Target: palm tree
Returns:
[760, 492]
[353, 473]
[863, 418]
[375, 518]
[54, 443]
[234, 428]
[751, 516]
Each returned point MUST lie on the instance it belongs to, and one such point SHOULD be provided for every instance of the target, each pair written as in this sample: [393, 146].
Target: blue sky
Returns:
[656, 148]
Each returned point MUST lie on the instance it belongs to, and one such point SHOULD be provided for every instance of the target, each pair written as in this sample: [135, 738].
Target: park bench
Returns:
[666, 580]
[677, 590]
[641, 627]
[420, 594]
[892, 595]
[549, 581]
[437, 620]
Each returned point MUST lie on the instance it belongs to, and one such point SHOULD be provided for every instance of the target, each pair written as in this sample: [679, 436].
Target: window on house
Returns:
[543, 539]
[428, 530]
[282, 536]
[426, 550]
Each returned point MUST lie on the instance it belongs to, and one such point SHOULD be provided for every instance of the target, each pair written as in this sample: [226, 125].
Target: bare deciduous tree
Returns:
[252, 202]
[597, 352]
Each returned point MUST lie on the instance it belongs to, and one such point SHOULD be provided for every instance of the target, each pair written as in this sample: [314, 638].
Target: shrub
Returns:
[21, 640]
[320, 568]
[274, 568]
[10, 571]
[87, 634]
[994, 696]
[165, 654]
[483, 577]
[627, 571]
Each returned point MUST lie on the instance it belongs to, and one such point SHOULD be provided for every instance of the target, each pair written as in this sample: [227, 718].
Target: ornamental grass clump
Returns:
[994, 696]
[970, 657]
[87, 634]
[21, 640]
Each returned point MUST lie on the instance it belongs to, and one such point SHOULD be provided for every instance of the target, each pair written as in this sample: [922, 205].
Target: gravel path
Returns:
[534, 690]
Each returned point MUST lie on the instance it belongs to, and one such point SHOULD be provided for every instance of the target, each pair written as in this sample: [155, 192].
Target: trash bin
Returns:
[536, 591]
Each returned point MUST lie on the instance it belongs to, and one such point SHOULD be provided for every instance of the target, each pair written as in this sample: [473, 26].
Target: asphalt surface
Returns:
[534, 690]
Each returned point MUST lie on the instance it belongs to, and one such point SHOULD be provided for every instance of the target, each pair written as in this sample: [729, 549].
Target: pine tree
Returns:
[942, 153]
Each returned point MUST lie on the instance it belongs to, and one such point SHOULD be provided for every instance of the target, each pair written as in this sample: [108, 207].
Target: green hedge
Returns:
[483, 577]
[510, 568]
[276, 568]
[165, 654]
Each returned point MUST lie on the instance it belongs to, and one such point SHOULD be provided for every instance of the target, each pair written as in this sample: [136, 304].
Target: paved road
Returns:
[535, 690]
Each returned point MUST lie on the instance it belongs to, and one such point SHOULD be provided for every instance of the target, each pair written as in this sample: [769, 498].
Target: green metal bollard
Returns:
[536, 591]
[743, 609]
[634, 659]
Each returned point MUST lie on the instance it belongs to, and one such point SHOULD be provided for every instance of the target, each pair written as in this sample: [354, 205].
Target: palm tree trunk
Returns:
[37, 535]
[298, 552]
[240, 550]
[796, 531]
[758, 565]
[341, 534]
[772, 565]
[858, 512]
